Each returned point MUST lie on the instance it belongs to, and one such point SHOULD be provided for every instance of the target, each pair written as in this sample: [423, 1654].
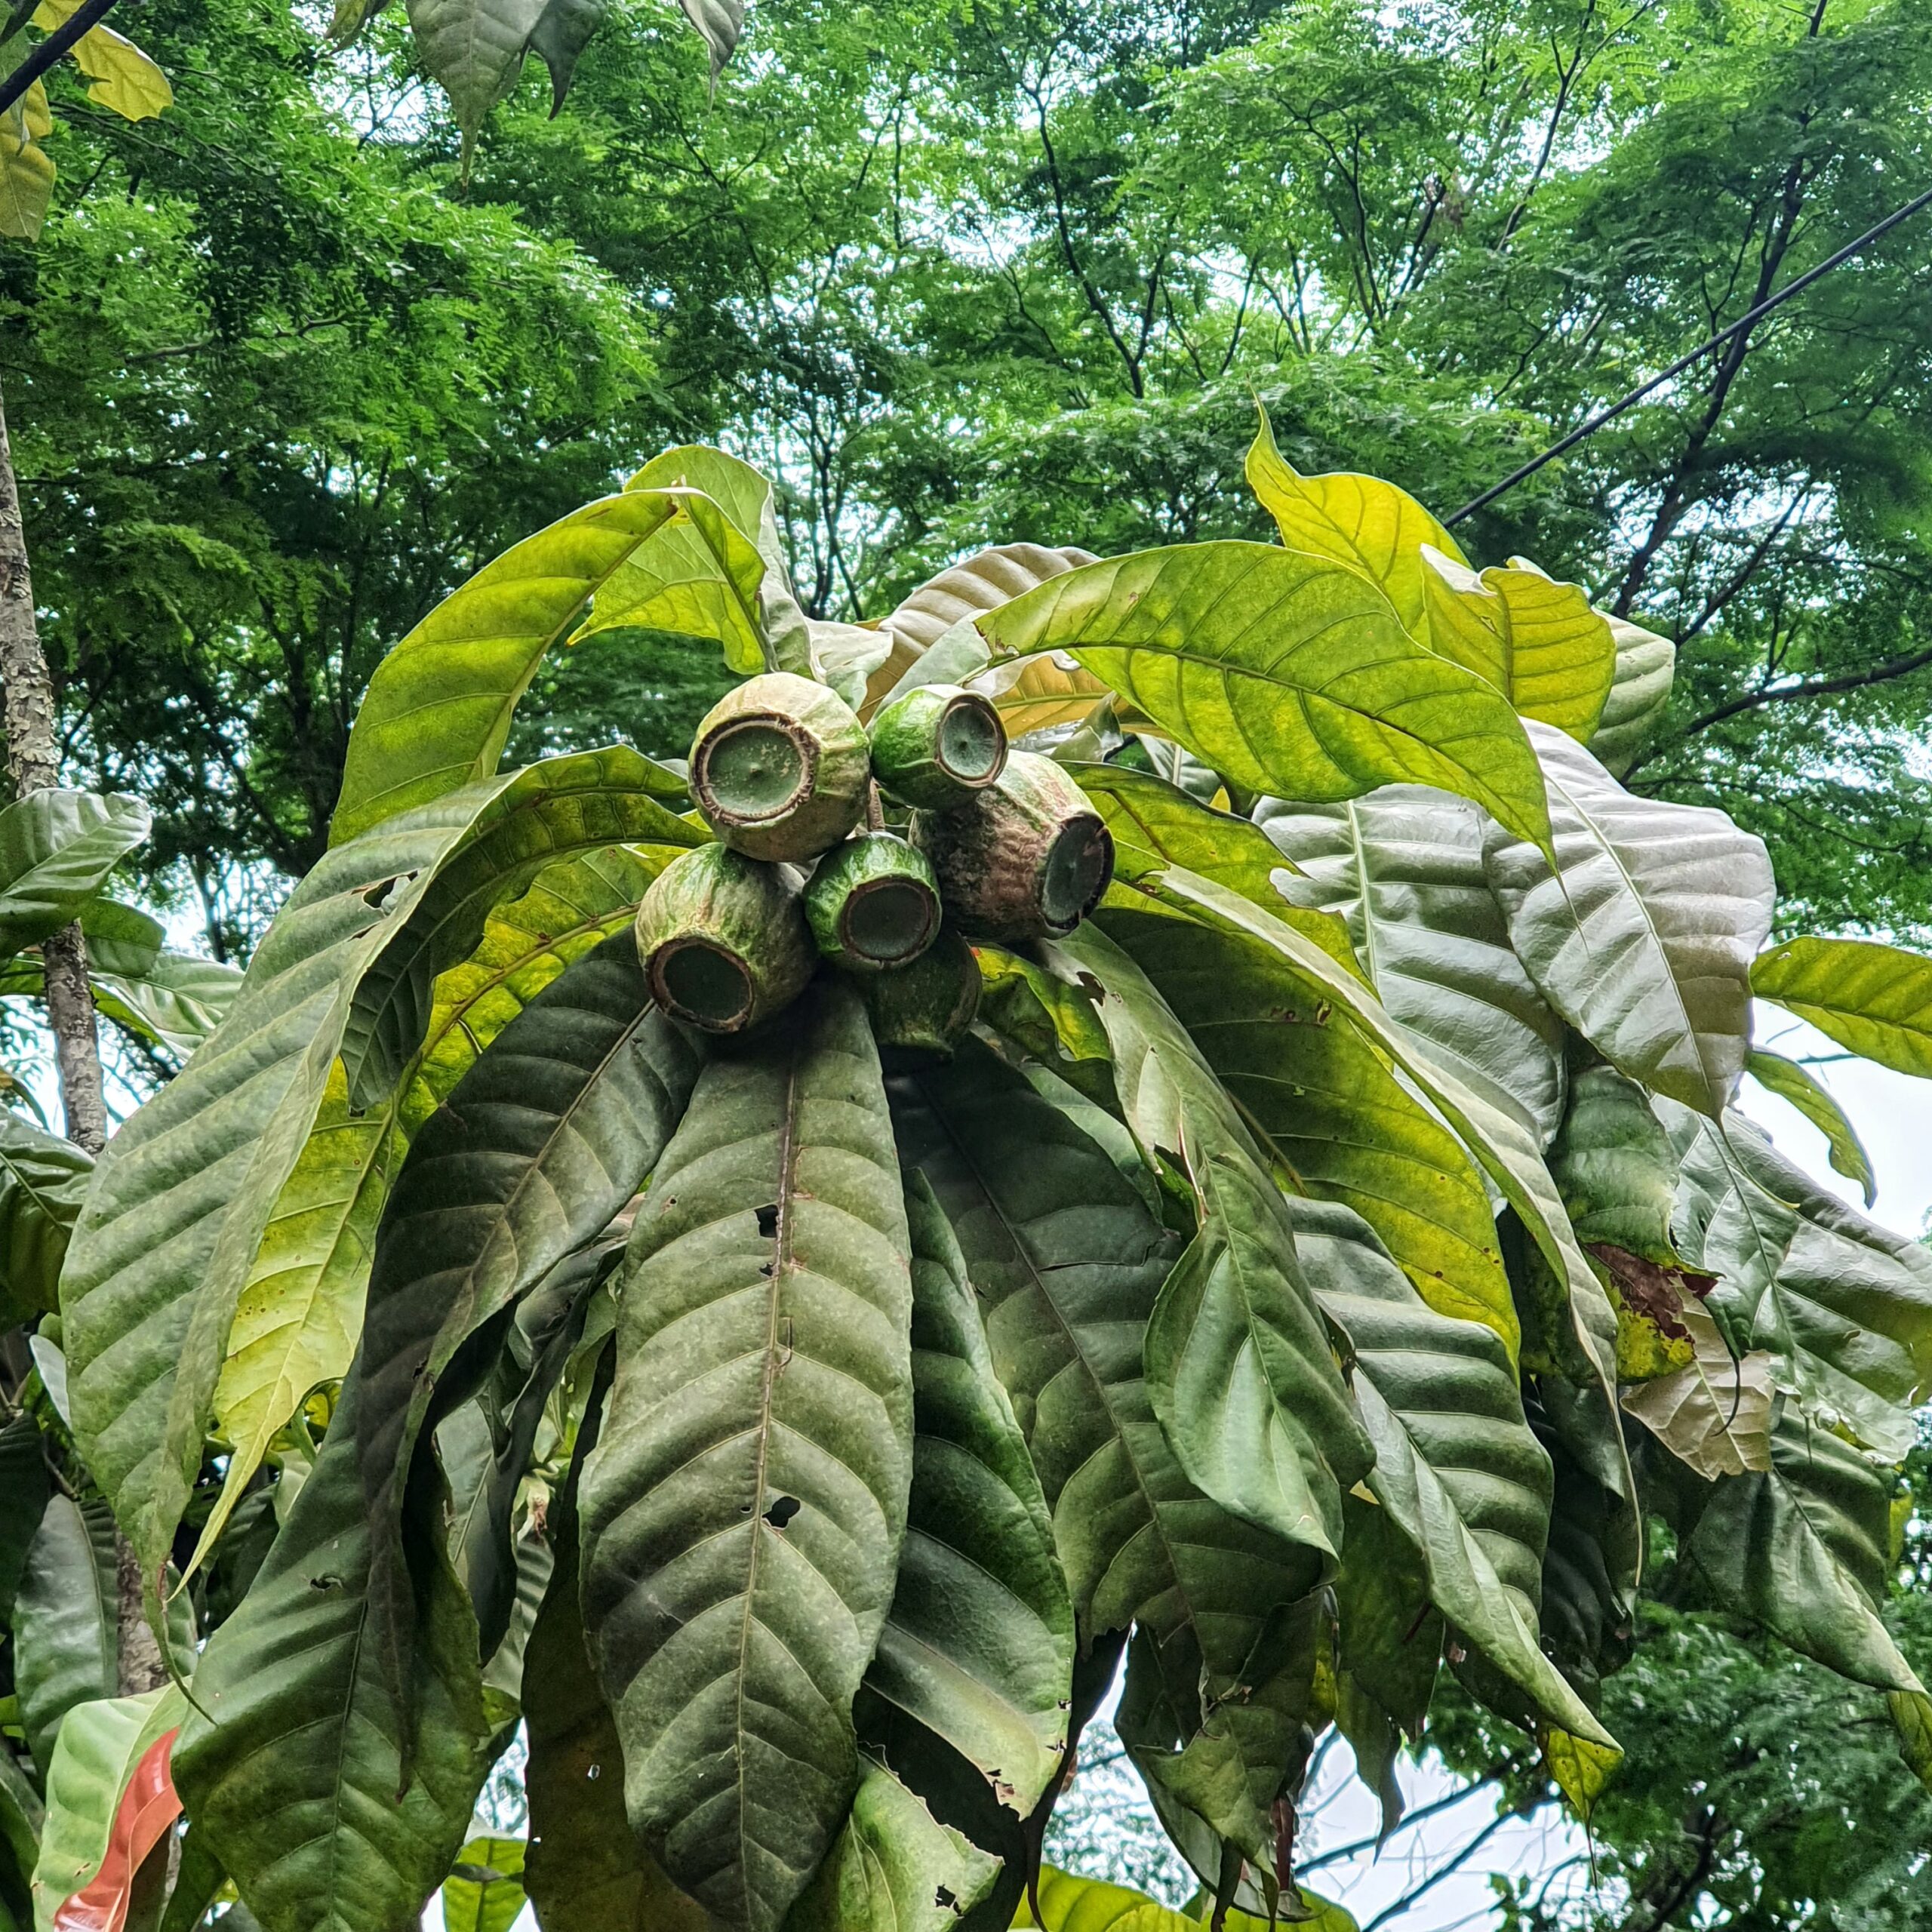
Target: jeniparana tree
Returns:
[1166, 1112]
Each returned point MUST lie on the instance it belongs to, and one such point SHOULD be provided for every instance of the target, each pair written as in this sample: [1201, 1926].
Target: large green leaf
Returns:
[100, 1747]
[1842, 1306]
[539, 1146]
[1643, 935]
[743, 1511]
[1876, 1000]
[1403, 867]
[1347, 1128]
[1369, 525]
[1803, 1549]
[175, 1218]
[437, 712]
[66, 1638]
[1456, 1465]
[978, 1645]
[56, 849]
[1067, 1262]
[1289, 674]
[586, 1871]
[1791, 1081]
[895, 1868]
[42, 1179]
[335, 1804]
[1538, 641]
[1639, 695]
[474, 49]
[299, 1315]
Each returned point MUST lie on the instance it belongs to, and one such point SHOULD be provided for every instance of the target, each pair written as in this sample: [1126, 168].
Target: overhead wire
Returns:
[1747, 319]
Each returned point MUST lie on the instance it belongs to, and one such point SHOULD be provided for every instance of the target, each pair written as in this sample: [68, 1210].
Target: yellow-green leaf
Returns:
[1289, 674]
[1791, 1082]
[123, 77]
[27, 174]
[1359, 521]
[1874, 998]
[1538, 641]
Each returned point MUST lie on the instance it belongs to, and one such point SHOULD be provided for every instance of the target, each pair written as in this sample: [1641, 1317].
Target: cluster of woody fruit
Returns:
[986, 844]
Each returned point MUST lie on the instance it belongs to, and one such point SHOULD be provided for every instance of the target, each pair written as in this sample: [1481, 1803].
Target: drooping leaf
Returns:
[110, 1799]
[437, 712]
[1538, 641]
[1154, 824]
[1803, 1549]
[1714, 1415]
[176, 1215]
[299, 1315]
[1843, 1307]
[25, 1485]
[895, 1868]
[26, 169]
[719, 23]
[563, 30]
[1348, 1129]
[586, 1871]
[1496, 1139]
[56, 850]
[473, 50]
[1643, 937]
[1456, 1465]
[1359, 521]
[66, 1634]
[293, 1763]
[1793, 1082]
[1876, 1000]
[980, 583]
[42, 1179]
[1403, 867]
[1289, 674]
[979, 1644]
[484, 1893]
[1639, 695]
[743, 1511]
[1067, 1262]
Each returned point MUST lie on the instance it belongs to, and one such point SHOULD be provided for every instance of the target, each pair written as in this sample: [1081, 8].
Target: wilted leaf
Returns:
[1715, 1416]
[1642, 938]
[773, 1237]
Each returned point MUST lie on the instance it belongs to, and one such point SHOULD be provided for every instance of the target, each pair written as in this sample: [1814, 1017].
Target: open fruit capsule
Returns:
[1027, 858]
[780, 768]
[936, 746]
[873, 902]
[723, 940]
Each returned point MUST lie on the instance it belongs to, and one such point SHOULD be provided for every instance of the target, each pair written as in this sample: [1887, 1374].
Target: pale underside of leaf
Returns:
[1715, 1416]
[1791, 1081]
[1639, 695]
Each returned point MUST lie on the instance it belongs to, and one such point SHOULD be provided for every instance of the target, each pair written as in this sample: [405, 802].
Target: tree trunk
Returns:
[33, 764]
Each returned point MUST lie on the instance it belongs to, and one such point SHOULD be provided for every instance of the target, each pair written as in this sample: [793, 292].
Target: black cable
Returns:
[85, 18]
[1683, 362]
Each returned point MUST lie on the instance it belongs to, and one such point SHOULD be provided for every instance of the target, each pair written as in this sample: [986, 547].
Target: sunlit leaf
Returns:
[1875, 999]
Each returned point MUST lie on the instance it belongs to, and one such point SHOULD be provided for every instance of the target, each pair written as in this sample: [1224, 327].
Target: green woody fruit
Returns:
[873, 902]
[937, 746]
[927, 1007]
[780, 768]
[1028, 858]
[723, 940]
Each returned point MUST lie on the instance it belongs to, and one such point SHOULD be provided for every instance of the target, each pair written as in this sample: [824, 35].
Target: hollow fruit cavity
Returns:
[1078, 866]
[701, 982]
[754, 771]
[972, 747]
[890, 920]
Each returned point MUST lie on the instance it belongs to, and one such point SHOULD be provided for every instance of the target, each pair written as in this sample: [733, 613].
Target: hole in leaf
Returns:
[943, 1898]
[768, 1221]
[782, 1512]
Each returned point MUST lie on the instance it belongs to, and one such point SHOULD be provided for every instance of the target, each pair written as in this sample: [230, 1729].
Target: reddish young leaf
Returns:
[148, 1808]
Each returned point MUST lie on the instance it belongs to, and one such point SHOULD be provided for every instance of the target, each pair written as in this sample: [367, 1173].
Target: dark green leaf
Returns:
[66, 1638]
[743, 1512]
[42, 1179]
[56, 850]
